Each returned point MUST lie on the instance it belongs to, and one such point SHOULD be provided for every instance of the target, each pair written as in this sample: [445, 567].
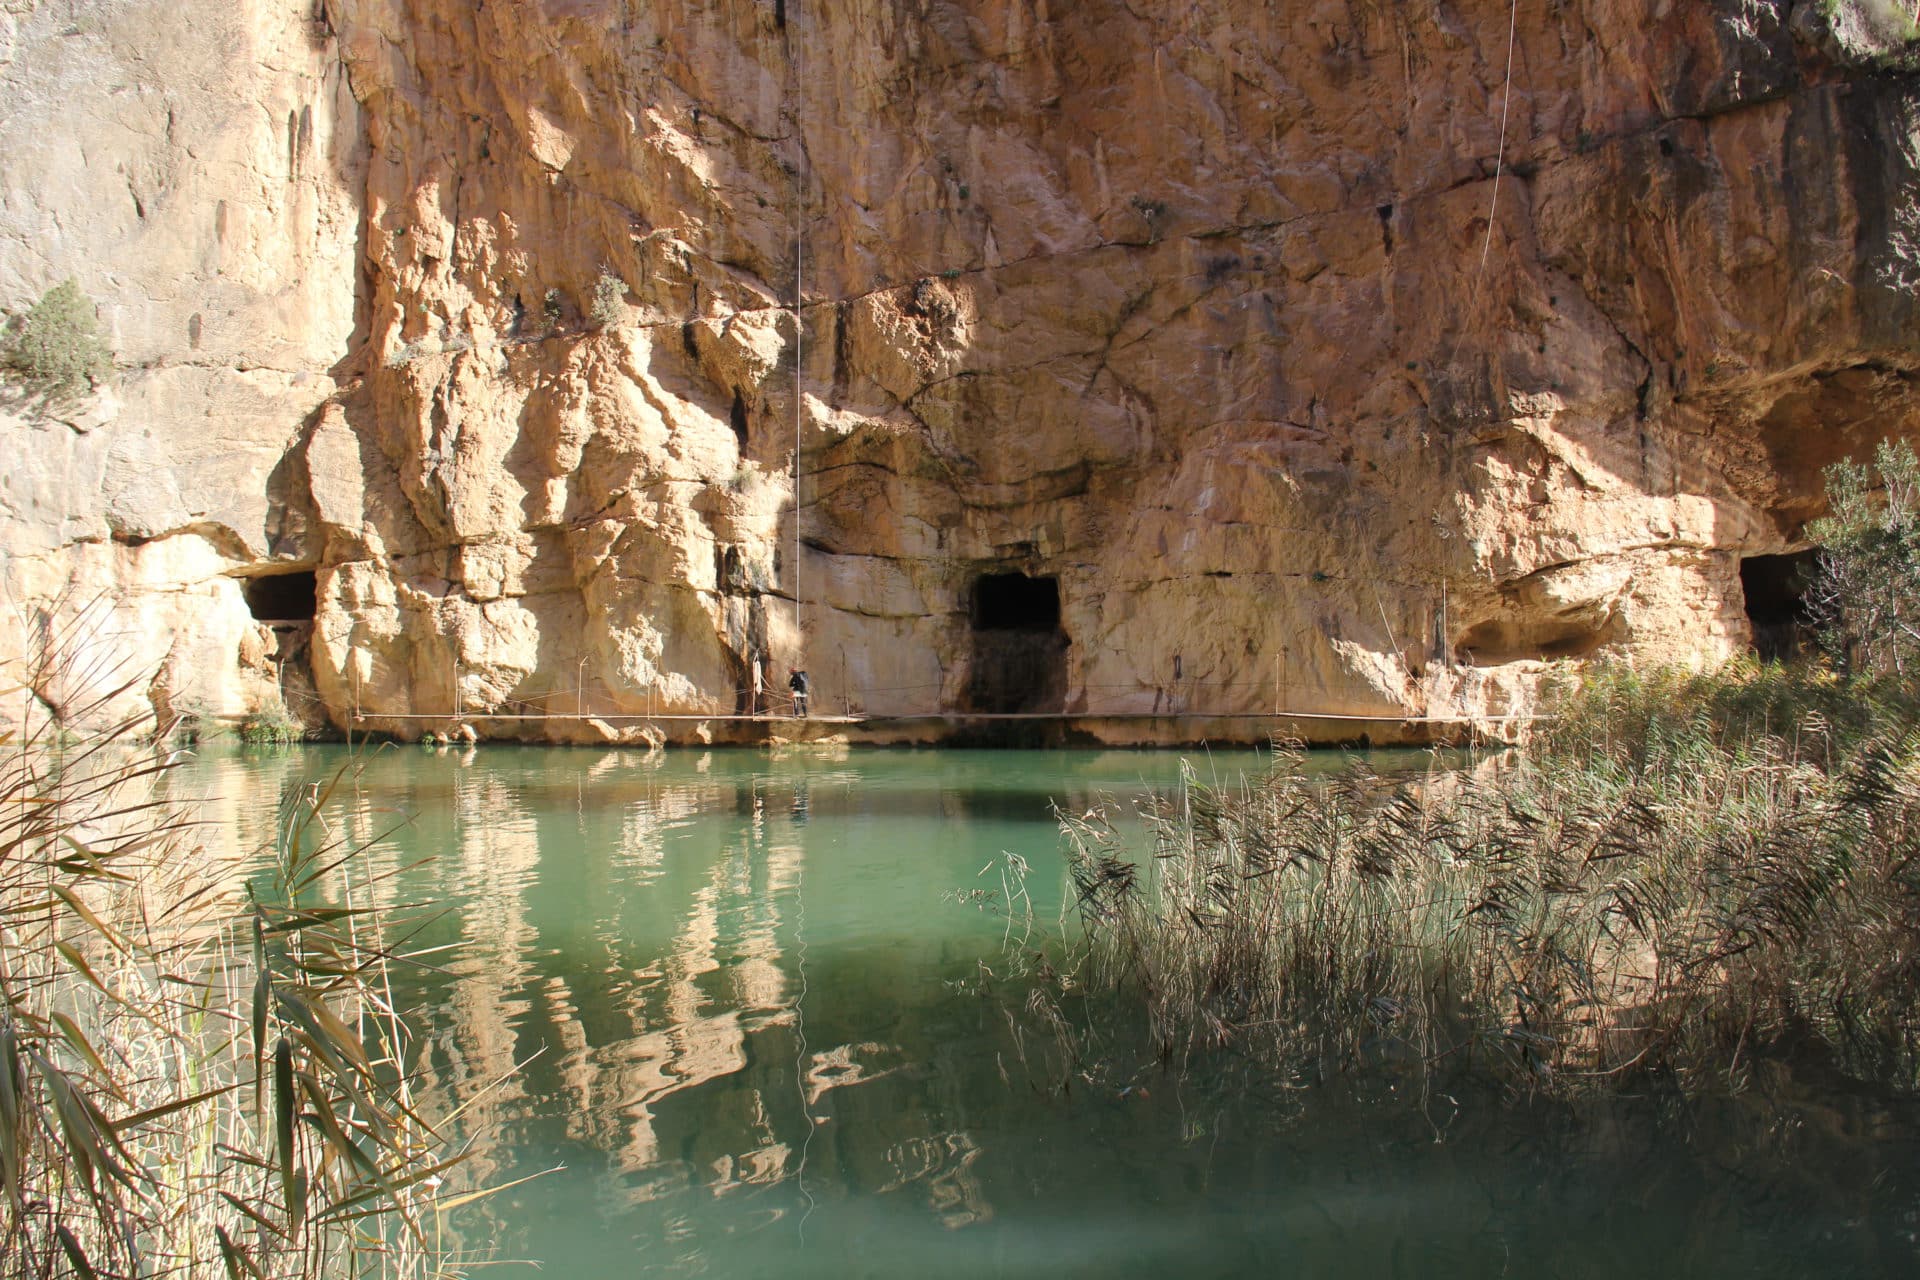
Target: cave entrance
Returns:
[1019, 649]
[283, 597]
[1778, 612]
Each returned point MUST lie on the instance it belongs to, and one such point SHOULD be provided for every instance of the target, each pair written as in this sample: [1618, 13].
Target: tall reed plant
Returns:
[201, 1069]
[1687, 873]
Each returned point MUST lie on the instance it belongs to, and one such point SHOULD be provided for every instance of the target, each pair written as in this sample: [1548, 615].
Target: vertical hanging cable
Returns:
[799, 199]
[1500, 155]
[1493, 204]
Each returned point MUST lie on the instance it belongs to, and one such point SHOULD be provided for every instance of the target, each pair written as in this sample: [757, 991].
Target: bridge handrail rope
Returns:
[508, 708]
[781, 706]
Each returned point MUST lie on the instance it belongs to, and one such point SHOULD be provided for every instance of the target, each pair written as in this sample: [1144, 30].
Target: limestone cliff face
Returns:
[1361, 356]
[198, 168]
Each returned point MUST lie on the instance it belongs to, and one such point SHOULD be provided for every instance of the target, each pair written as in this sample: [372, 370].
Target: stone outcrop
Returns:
[1356, 358]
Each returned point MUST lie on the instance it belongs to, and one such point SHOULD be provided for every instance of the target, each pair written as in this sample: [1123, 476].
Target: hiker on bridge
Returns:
[798, 682]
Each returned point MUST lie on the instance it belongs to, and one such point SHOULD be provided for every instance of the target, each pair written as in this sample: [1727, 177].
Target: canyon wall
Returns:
[565, 356]
[198, 168]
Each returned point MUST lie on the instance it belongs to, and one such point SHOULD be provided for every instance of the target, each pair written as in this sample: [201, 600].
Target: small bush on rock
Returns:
[56, 347]
[609, 297]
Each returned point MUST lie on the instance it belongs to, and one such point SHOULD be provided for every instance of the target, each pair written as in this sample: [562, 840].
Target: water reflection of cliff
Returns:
[693, 974]
[627, 995]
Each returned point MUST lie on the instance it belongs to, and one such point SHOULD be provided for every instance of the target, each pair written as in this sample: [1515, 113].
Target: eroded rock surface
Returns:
[1356, 358]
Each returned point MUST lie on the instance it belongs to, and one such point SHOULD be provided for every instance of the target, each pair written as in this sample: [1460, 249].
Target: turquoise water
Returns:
[760, 1023]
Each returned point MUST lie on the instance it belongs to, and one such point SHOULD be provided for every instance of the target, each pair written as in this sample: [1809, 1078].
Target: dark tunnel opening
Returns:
[1775, 588]
[1019, 648]
[283, 597]
[1015, 602]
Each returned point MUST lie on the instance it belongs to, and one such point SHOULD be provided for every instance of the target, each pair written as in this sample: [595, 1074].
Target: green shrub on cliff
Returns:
[609, 305]
[56, 347]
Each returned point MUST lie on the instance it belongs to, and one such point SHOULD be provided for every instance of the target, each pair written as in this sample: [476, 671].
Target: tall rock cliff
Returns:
[992, 355]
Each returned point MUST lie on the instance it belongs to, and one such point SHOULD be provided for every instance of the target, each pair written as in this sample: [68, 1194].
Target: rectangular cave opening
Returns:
[283, 597]
[1019, 661]
[1778, 612]
[1015, 602]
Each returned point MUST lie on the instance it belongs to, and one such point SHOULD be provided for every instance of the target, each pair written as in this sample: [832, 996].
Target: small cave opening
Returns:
[1019, 660]
[1015, 602]
[283, 597]
[1778, 612]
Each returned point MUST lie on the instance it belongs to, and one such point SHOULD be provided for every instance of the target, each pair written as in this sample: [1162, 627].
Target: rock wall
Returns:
[198, 168]
[1356, 357]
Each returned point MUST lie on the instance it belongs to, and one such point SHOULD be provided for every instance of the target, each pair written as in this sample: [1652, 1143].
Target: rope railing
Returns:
[771, 704]
[1184, 684]
[776, 706]
[902, 717]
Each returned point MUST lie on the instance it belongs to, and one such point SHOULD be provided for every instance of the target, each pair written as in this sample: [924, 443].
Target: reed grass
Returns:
[201, 1069]
[1687, 873]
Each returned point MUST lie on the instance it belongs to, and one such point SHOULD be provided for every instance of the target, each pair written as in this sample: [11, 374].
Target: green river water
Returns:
[759, 1046]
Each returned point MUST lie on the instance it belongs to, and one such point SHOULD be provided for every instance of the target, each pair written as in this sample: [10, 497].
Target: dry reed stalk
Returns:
[197, 1077]
[1668, 886]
